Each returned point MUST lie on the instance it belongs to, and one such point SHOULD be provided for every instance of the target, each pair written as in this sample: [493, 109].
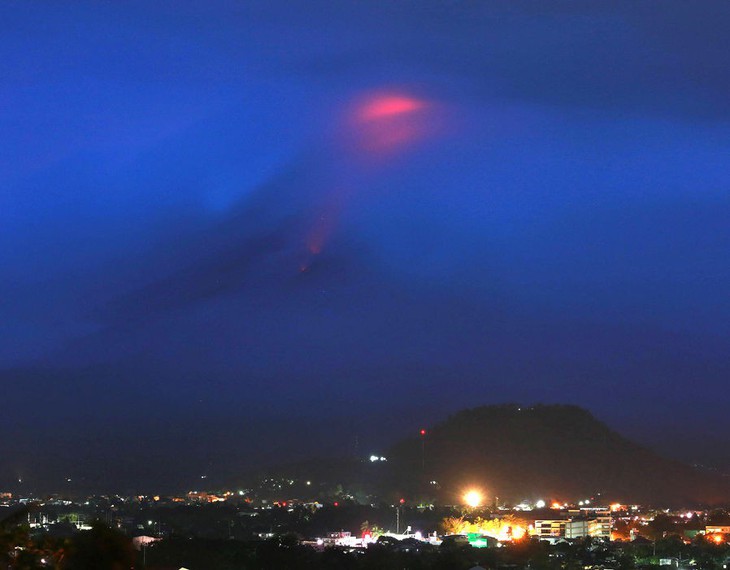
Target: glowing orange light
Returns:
[616, 507]
[556, 505]
[718, 538]
[518, 533]
[502, 530]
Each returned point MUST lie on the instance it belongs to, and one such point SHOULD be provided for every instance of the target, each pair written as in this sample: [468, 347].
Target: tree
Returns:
[17, 550]
[101, 548]
[454, 525]
[372, 529]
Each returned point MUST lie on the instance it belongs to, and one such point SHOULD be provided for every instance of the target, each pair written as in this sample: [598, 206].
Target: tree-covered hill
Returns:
[551, 452]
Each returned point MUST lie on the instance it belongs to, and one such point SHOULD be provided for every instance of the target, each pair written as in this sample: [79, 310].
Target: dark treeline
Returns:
[103, 548]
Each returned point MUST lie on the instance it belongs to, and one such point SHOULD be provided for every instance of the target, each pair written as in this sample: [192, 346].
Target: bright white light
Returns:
[374, 458]
[580, 503]
[320, 542]
[540, 504]
[473, 499]
[418, 535]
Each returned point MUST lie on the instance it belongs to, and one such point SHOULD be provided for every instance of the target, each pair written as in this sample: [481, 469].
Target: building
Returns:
[578, 528]
[597, 525]
[602, 526]
[550, 528]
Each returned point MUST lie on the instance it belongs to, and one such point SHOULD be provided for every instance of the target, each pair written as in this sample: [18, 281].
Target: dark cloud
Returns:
[618, 58]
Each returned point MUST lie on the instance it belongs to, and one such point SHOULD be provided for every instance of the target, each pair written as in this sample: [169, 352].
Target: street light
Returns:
[473, 498]
[397, 515]
[423, 449]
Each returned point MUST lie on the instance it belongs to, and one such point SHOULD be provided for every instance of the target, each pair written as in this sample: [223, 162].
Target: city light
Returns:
[473, 498]
[503, 529]
[516, 532]
[540, 504]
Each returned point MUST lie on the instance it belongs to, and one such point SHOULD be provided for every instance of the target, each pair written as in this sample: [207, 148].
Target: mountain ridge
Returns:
[548, 451]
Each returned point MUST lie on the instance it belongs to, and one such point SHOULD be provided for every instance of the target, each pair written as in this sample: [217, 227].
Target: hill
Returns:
[550, 452]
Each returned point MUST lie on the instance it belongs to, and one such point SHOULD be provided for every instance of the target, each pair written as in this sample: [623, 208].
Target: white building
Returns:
[550, 528]
[598, 525]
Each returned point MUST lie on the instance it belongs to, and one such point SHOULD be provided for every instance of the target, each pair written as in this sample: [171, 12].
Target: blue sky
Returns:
[540, 215]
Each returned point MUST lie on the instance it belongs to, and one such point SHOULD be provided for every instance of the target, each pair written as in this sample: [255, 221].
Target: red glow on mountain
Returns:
[382, 107]
[388, 123]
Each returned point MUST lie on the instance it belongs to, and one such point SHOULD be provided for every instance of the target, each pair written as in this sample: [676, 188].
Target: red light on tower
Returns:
[337, 504]
[402, 501]
[423, 432]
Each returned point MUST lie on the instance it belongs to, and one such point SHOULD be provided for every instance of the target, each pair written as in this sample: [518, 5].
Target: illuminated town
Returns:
[255, 524]
[364, 284]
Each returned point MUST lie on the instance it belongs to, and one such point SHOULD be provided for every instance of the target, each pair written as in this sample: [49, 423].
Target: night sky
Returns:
[239, 232]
